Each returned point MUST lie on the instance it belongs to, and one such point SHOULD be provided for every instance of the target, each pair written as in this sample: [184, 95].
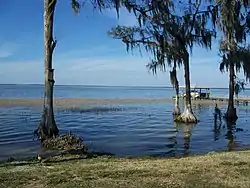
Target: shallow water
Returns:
[126, 129]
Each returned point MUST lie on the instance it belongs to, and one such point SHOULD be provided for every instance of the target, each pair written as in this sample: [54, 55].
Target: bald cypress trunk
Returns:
[176, 86]
[187, 83]
[187, 116]
[47, 127]
[231, 115]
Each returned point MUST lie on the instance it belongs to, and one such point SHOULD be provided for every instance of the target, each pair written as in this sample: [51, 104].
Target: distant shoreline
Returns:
[85, 102]
[116, 86]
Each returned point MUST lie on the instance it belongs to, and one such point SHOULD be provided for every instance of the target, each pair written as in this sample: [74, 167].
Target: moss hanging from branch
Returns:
[168, 30]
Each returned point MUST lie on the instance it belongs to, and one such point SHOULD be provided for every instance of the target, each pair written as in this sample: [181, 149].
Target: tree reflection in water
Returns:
[185, 131]
[217, 128]
[221, 130]
[230, 133]
[174, 144]
[232, 145]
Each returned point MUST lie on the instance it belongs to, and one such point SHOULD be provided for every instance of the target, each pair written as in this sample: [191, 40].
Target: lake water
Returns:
[124, 129]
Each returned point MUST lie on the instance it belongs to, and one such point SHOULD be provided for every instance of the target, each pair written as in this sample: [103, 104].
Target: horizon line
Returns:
[89, 85]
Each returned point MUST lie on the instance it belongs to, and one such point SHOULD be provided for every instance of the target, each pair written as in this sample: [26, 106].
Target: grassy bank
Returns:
[217, 170]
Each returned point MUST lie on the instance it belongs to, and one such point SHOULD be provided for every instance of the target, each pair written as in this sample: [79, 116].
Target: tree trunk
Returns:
[231, 115]
[176, 85]
[187, 116]
[177, 110]
[47, 127]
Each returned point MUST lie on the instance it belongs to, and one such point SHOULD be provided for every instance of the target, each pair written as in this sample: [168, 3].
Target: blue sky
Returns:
[85, 54]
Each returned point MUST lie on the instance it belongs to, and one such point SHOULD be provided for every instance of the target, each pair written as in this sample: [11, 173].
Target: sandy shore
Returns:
[76, 102]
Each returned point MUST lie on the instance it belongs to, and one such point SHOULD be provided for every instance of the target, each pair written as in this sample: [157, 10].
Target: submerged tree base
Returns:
[43, 133]
[64, 142]
[177, 111]
[47, 127]
[231, 116]
[186, 117]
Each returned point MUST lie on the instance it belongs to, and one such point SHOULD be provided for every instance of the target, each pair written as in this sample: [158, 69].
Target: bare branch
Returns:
[53, 45]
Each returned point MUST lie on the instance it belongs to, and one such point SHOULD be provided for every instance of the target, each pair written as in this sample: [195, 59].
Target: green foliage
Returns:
[173, 77]
[239, 57]
[168, 30]
[97, 4]
[239, 85]
[234, 24]
[75, 5]
[102, 4]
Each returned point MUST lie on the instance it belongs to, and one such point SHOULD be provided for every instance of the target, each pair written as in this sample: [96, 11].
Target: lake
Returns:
[123, 129]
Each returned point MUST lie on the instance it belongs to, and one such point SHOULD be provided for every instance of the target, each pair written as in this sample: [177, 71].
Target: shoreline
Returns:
[225, 169]
[115, 86]
[76, 102]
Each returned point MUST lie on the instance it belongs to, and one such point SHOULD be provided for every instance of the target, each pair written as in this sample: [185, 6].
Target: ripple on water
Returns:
[125, 130]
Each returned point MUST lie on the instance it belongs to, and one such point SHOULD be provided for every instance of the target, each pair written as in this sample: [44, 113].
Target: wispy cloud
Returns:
[128, 70]
[125, 18]
[7, 49]
[21, 71]
[101, 50]
[109, 70]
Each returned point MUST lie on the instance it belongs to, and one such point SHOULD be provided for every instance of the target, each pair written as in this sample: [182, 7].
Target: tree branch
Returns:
[53, 44]
[150, 43]
[194, 17]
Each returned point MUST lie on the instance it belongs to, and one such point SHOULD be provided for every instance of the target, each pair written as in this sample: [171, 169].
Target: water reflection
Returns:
[230, 136]
[128, 130]
[200, 108]
[217, 123]
[181, 139]
[230, 129]
[217, 130]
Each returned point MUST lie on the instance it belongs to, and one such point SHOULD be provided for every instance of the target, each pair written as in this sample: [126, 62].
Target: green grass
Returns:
[217, 170]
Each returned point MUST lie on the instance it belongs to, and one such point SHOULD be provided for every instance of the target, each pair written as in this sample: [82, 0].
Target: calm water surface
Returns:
[36, 91]
[123, 129]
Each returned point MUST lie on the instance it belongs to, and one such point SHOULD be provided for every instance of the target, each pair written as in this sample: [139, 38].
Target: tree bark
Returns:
[187, 83]
[176, 85]
[187, 116]
[47, 127]
[231, 115]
